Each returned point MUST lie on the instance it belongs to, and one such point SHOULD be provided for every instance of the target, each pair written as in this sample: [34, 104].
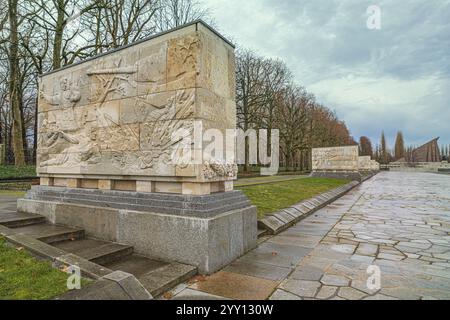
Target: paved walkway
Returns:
[398, 222]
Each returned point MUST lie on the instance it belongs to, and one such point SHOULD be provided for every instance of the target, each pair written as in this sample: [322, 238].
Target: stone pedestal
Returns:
[206, 231]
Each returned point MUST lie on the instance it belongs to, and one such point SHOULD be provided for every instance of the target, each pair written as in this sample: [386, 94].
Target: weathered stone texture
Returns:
[429, 152]
[364, 163]
[335, 159]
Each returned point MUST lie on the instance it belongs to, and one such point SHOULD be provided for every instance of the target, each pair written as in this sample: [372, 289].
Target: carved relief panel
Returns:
[335, 158]
[116, 114]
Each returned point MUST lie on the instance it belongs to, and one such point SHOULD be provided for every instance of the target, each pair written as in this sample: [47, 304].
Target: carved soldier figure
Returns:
[67, 97]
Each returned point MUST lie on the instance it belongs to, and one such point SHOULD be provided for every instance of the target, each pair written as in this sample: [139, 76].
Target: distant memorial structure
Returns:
[336, 162]
[367, 166]
[429, 152]
[426, 158]
[364, 163]
[109, 131]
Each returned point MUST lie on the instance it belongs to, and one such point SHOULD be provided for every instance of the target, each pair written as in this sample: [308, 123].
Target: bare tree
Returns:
[250, 93]
[365, 146]
[55, 16]
[175, 13]
[292, 119]
[121, 22]
[276, 77]
[14, 75]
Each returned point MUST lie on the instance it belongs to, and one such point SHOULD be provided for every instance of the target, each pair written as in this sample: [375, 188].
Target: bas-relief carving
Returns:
[68, 95]
[127, 123]
[151, 76]
[115, 83]
[364, 163]
[97, 131]
[158, 106]
[182, 62]
[336, 158]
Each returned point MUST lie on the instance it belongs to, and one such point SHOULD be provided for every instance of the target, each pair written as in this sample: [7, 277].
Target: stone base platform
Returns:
[203, 206]
[205, 231]
[349, 175]
[178, 186]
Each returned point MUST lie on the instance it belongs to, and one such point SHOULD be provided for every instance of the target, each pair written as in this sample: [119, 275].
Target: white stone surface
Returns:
[364, 163]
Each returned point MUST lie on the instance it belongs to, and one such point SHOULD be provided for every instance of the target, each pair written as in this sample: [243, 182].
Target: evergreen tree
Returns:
[383, 151]
[399, 151]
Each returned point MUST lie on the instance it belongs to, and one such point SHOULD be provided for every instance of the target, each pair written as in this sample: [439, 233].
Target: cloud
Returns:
[396, 78]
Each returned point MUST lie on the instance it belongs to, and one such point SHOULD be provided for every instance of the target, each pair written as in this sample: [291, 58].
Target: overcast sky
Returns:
[395, 78]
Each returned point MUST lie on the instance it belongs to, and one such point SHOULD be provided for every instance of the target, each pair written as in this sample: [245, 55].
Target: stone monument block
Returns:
[110, 129]
[336, 162]
[113, 118]
[374, 165]
[365, 163]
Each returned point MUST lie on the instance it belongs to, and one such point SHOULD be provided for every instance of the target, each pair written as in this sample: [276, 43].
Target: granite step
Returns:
[199, 206]
[135, 264]
[262, 232]
[156, 276]
[166, 278]
[50, 233]
[97, 251]
[19, 219]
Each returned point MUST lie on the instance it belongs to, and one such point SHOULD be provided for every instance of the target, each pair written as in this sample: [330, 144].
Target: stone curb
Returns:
[285, 218]
[125, 282]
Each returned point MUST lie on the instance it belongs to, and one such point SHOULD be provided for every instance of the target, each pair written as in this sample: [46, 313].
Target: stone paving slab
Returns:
[280, 294]
[259, 270]
[236, 286]
[399, 222]
[396, 221]
[190, 294]
[275, 258]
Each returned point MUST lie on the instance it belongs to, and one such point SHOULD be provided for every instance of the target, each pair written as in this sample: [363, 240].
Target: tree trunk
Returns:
[58, 39]
[14, 95]
[35, 132]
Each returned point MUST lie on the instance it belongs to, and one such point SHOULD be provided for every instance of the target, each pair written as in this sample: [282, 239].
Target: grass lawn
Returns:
[12, 193]
[272, 197]
[18, 187]
[24, 277]
[241, 182]
[17, 172]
